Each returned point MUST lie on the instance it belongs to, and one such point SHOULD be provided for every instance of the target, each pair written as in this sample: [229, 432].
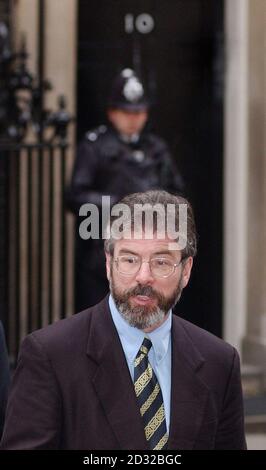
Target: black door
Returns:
[177, 47]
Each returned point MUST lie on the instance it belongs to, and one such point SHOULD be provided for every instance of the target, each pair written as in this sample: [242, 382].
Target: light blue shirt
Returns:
[159, 355]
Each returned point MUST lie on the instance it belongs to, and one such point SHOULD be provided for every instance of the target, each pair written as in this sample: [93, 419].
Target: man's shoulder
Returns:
[93, 135]
[205, 342]
[66, 334]
[156, 140]
[202, 348]
[64, 327]
[101, 139]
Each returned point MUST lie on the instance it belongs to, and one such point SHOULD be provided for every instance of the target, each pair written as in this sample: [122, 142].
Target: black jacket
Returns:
[72, 390]
[105, 165]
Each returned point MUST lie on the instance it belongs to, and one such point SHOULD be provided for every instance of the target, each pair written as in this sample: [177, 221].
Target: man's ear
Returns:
[108, 265]
[188, 263]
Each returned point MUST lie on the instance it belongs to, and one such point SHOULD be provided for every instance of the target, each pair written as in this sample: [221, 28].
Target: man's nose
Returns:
[144, 275]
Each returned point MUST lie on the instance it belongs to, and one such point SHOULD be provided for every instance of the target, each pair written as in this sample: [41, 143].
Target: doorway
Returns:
[177, 48]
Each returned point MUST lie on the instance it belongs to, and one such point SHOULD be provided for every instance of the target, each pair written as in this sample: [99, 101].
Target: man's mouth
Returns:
[143, 299]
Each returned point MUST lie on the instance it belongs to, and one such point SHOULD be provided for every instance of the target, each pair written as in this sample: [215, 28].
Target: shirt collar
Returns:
[132, 337]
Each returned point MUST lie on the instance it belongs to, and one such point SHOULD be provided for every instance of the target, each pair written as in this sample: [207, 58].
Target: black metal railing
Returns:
[34, 226]
[33, 238]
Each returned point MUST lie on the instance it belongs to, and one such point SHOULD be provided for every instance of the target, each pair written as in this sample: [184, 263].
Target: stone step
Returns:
[256, 441]
[253, 380]
[255, 414]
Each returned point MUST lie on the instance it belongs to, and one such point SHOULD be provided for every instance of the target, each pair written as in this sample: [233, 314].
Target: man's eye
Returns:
[130, 260]
[161, 262]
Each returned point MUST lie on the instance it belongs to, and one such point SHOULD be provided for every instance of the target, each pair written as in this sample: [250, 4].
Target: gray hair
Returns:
[155, 199]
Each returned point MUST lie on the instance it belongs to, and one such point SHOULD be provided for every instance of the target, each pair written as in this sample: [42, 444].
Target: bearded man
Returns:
[127, 373]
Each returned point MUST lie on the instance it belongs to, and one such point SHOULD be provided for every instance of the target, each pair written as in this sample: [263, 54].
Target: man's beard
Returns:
[143, 316]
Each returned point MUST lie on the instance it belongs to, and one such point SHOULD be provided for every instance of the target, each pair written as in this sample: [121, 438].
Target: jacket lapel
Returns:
[189, 394]
[112, 381]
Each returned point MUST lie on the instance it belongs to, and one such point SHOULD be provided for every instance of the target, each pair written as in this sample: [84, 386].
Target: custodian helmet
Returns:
[128, 92]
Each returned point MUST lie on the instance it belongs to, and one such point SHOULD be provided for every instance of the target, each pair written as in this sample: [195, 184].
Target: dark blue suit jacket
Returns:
[72, 390]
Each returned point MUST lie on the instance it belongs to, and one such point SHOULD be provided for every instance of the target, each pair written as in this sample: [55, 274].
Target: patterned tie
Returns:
[150, 399]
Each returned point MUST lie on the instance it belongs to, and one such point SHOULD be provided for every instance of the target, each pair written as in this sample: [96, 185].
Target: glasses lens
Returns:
[128, 264]
[161, 267]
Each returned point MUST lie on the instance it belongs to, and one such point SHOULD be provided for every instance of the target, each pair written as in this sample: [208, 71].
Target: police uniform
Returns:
[110, 164]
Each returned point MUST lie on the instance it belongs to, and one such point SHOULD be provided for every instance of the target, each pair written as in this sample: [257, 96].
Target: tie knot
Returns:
[146, 346]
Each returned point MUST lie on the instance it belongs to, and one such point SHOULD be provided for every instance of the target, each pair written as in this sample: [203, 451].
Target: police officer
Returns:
[116, 160]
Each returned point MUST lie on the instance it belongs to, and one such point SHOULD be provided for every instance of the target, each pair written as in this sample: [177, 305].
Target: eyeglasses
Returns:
[129, 265]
